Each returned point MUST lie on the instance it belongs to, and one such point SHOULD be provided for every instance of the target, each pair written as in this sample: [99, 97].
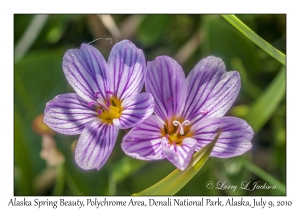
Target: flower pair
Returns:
[188, 112]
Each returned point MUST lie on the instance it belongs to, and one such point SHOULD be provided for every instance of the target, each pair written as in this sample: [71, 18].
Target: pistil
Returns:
[180, 126]
[177, 131]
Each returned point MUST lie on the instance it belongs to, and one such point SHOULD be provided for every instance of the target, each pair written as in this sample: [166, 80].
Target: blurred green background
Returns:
[44, 161]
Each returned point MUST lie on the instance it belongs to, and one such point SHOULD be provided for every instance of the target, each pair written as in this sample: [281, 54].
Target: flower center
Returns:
[175, 130]
[108, 108]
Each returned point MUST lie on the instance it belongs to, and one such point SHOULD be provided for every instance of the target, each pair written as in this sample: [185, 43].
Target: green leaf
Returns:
[72, 184]
[219, 40]
[22, 157]
[60, 180]
[150, 23]
[125, 167]
[251, 89]
[172, 183]
[239, 25]
[265, 106]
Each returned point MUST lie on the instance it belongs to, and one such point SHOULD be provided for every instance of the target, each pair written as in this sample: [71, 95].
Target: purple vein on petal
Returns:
[144, 140]
[159, 100]
[127, 63]
[68, 114]
[165, 79]
[235, 138]
[85, 69]
[95, 145]
[195, 103]
[136, 108]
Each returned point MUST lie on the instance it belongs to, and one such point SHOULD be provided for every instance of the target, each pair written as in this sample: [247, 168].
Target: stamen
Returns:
[102, 104]
[109, 92]
[107, 97]
[91, 104]
[99, 111]
[181, 125]
[107, 102]
[96, 94]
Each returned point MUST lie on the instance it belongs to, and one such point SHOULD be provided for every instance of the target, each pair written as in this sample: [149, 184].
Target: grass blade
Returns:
[264, 175]
[265, 106]
[239, 25]
[60, 180]
[30, 35]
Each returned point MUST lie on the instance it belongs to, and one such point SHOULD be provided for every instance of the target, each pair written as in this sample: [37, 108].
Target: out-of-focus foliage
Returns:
[38, 77]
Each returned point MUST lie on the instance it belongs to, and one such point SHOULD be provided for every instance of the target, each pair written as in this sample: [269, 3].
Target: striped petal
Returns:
[85, 70]
[211, 90]
[95, 144]
[144, 140]
[68, 114]
[136, 109]
[165, 80]
[181, 155]
[235, 138]
[127, 66]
